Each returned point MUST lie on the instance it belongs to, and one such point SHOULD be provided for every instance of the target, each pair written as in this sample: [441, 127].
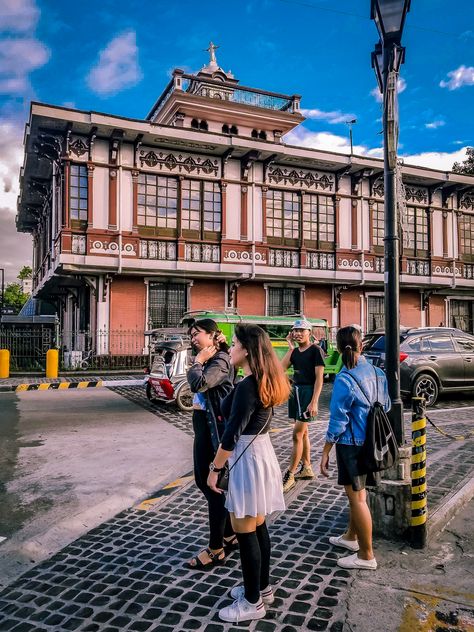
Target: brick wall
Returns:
[410, 308]
[208, 295]
[127, 315]
[436, 314]
[318, 302]
[251, 299]
[349, 308]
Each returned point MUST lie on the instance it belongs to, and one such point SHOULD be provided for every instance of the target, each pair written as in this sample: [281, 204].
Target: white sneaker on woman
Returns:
[353, 561]
[267, 594]
[351, 545]
[242, 610]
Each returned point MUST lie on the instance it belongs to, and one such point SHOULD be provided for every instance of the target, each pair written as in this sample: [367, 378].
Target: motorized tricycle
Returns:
[169, 359]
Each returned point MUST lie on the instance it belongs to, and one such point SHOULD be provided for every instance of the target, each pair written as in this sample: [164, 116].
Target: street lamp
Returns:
[389, 17]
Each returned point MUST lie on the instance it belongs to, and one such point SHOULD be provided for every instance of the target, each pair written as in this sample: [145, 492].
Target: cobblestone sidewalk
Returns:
[128, 574]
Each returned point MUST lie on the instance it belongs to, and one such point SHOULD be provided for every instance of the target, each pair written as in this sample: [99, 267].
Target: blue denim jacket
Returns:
[348, 404]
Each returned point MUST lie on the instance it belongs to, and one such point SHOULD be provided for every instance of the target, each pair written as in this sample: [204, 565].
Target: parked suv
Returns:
[433, 360]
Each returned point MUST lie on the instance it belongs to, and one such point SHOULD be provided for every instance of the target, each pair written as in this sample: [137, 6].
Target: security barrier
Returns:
[419, 510]
[4, 363]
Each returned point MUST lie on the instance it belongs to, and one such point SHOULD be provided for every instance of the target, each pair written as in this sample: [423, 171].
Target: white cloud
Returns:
[11, 156]
[18, 15]
[331, 117]
[19, 57]
[118, 67]
[435, 124]
[462, 76]
[303, 137]
[401, 87]
[442, 160]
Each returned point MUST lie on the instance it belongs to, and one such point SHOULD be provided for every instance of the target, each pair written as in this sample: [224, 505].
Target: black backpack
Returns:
[379, 450]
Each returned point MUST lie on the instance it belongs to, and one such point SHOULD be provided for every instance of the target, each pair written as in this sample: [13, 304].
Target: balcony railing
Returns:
[229, 92]
[321, 261]
[468, 271]
[379, 264]
[283, 258]
[203, 253]
[78, 246]
[418, 268]
[162, 250]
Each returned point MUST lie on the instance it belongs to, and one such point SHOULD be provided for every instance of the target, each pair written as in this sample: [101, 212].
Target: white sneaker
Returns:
[267, 594]
[351, 545]
[242, 610]
[352, 561]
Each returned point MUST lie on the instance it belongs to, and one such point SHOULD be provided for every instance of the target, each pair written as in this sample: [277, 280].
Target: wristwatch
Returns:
[213, 468]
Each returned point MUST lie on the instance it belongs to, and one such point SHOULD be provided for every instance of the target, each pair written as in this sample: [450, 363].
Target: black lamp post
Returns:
[389, 17]
[2, 294]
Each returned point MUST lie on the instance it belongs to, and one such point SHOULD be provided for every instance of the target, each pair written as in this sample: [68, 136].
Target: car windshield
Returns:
[377, 342]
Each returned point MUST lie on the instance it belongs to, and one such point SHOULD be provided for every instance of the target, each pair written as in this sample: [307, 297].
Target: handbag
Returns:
[223, 475]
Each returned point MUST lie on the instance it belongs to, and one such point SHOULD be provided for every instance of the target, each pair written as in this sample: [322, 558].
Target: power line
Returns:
[364, 17]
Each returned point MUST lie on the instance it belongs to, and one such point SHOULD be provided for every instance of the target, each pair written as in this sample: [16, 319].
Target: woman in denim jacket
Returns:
[349, 411]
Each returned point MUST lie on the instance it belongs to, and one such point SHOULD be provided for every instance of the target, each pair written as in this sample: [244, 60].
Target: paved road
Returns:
[70, 460]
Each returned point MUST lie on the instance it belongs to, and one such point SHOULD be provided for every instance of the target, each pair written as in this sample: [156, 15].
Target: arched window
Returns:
[254, 133]
[195, 124]
[203, 125]
[234, 130]
[225, 129]
[263, 135]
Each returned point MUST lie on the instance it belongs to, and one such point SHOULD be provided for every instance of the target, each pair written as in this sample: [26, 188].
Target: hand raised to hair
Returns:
[206, 354]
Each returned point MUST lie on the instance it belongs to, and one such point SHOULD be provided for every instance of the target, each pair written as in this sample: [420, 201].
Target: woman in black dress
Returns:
[210, 379]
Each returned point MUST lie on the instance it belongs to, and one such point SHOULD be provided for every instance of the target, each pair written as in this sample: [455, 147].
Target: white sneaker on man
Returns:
[353, 561]
[266, 594]
[350, 545]
[242, 610]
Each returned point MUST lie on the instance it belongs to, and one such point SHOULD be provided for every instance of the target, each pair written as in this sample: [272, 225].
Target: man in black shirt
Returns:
[307, 361]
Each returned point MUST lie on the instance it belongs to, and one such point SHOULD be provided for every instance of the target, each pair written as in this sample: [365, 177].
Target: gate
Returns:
[27, 346]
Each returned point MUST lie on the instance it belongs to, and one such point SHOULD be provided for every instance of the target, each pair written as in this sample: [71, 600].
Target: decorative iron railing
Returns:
[78, 245]
[418, 267]
[280, 258]
[468, 271]
[321, 261]
[203, 253]
[163, 250]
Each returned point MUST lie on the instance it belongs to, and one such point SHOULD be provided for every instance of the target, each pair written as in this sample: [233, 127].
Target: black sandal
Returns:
[231, 544]
[216, 560]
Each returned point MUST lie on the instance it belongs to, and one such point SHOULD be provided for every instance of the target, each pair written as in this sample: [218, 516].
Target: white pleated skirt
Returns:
[255, 483]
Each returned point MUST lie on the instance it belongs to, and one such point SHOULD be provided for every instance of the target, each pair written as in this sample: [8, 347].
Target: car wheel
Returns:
[150, 393]
[426, 386]
[184, 398]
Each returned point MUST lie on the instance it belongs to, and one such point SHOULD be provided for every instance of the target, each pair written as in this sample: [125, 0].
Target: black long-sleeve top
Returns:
[244, 413]
[215, 372]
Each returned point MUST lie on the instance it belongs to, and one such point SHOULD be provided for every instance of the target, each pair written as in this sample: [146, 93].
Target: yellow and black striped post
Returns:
[419, 510]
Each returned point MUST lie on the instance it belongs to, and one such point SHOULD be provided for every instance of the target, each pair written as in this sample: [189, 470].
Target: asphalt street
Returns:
[71, 460]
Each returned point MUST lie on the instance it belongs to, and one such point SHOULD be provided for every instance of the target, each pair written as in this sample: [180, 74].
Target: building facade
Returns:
[202, 205]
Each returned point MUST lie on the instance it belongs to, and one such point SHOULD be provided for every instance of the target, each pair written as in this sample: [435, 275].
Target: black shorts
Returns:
[348, 470]
[299, 401]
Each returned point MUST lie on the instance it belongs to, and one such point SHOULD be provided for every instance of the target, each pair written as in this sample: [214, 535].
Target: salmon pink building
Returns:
[203, 205]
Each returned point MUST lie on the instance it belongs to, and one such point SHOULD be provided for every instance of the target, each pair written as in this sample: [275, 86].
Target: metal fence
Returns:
[104, 349]
[79, 350]
[27, 346]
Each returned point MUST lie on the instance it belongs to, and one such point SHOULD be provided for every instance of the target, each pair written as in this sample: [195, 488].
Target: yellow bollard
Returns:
[4, 363]
[419, 509]
[52, 363]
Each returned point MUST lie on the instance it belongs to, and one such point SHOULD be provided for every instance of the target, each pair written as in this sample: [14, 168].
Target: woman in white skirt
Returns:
[255, 486]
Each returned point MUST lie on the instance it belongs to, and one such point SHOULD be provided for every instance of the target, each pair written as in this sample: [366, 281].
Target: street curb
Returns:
[454, 502]
[60, 386]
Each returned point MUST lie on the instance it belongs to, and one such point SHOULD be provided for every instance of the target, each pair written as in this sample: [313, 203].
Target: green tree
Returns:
[25, 273]
[14, 296]
[467, 166]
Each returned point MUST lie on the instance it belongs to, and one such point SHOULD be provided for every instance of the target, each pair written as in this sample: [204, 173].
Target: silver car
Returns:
[433, 360]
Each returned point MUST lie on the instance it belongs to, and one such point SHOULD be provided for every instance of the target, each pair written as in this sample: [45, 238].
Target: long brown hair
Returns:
[349, 342]
[273, 384]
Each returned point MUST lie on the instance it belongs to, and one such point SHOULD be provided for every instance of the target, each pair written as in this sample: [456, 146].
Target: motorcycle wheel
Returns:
[184, 398]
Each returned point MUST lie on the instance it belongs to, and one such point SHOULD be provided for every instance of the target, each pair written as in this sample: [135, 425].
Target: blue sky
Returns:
[116, 56]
